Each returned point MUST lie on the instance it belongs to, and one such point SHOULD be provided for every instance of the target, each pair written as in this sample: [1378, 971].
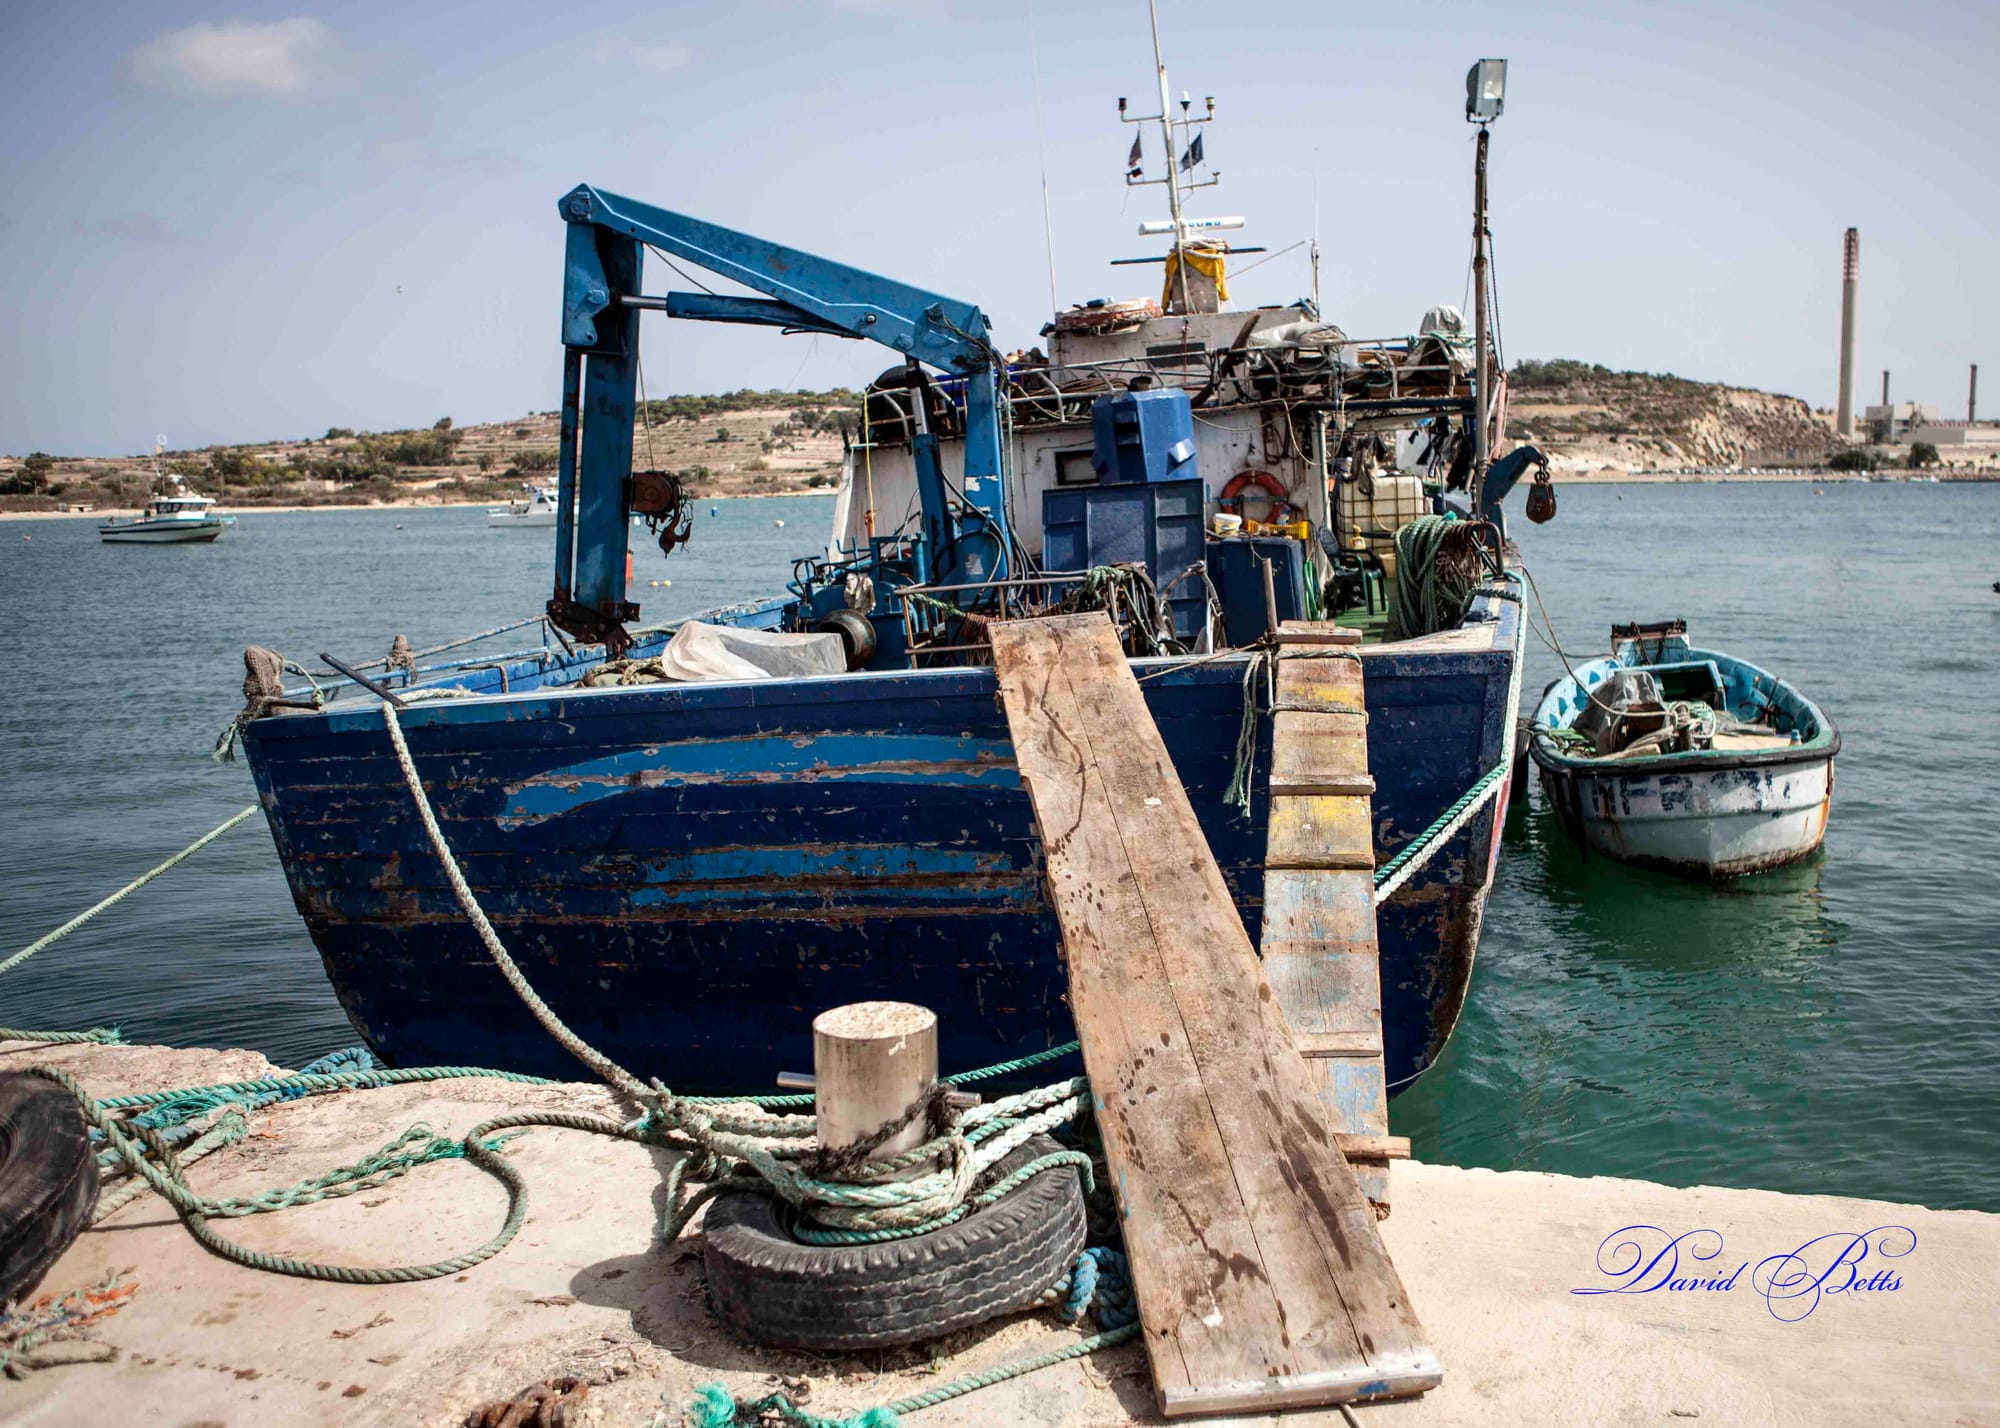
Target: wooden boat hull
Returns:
[1719, 822]
[689, 873]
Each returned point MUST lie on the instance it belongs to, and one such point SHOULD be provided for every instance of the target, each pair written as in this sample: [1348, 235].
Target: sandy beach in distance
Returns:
[106, 513]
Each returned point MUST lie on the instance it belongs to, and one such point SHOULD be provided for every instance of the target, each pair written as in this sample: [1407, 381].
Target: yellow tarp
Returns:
[1209, 262]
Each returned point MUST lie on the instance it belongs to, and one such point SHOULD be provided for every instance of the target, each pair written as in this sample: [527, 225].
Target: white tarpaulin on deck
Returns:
[699, 652]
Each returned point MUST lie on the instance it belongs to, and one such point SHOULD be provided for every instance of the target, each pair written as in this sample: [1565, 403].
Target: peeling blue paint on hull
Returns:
[689, 873]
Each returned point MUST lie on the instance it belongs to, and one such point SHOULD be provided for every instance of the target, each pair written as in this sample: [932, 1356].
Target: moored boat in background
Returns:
[174, 515]
[1686, 760]
[536, 510]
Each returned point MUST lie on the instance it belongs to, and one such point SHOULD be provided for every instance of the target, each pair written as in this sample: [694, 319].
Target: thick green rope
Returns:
[334, 1081]
[1426, 842]
[96, 1036]
[1437, 567]
[164, 1170]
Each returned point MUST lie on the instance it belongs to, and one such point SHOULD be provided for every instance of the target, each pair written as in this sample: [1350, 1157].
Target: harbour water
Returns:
[1832, 1028]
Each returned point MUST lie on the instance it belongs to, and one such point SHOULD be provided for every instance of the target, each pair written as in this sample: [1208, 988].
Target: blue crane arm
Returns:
[603, 261]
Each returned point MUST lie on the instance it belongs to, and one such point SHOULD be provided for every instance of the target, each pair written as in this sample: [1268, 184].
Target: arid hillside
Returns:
[1588, 417]
[738, 444]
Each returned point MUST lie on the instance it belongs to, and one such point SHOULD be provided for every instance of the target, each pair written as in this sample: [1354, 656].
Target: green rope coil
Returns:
[1438, 566]
[165, 1172]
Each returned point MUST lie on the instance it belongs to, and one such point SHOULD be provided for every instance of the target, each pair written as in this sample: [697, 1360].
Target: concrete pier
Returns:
[1489, 1259]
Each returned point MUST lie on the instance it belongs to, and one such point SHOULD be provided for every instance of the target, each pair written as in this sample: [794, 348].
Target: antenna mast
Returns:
[1167, 140]
[1042, 146]
[1186, 124]
[1315, 238]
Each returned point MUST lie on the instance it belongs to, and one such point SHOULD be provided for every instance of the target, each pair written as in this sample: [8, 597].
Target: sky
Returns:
[238, 221]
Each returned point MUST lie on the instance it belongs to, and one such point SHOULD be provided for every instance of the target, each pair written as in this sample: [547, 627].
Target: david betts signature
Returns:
[1645, 1259]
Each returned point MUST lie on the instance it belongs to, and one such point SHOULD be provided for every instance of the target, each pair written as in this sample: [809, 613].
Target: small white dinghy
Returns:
[1690, 761]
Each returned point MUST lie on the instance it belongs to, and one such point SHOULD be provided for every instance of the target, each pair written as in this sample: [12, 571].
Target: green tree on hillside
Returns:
[1923, 454]
[30, 478]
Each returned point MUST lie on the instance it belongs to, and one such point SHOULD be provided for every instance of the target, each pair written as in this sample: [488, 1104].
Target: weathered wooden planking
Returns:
[1260, 1278]
[1316, 632]
[1319, 944]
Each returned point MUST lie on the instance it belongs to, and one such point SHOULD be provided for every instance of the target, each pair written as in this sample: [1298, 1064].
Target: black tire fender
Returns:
[768, 1288]
[48, 1178]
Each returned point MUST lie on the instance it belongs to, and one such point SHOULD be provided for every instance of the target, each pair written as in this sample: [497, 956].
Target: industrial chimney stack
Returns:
[1850, 272]
[1972, 397]
[1885, 386]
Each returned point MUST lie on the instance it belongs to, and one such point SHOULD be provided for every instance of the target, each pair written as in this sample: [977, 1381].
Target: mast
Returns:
[1167, 142]
[1485, 101]
[1482, 368]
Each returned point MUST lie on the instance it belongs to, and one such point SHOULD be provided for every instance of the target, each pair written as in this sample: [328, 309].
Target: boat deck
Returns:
[1491, 1257]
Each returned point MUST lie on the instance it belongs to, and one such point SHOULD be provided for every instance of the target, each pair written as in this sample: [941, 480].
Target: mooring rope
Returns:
[164, 1170]
[879, 1199]
[146, 877]
[607, 1070]
[1415, 854]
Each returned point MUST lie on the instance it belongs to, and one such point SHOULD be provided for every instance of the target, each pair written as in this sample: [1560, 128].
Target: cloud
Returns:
[241, 59]
[662, 58]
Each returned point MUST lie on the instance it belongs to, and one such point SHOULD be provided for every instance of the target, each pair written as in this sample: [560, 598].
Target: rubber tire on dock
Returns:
[770, 1289]
[48, 1178]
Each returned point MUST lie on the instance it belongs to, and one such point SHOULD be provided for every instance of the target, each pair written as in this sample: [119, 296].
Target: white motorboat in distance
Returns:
[536, 509]
[1686, 760]
[174, 515]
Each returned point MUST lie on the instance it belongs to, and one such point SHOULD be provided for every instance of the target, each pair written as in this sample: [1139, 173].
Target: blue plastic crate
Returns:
[1159, 523]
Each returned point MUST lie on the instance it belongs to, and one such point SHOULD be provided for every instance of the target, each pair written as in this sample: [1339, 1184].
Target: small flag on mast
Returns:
[1192, 156]
[1133, 159]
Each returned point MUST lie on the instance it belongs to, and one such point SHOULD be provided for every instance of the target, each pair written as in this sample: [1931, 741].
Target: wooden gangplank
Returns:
[1261, 1280]
[1318, 937]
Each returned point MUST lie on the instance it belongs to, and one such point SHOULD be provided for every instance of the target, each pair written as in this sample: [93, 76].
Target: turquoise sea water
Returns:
[1831, 1028]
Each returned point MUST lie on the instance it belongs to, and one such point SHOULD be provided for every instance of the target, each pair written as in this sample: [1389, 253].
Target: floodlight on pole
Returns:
[1485, 91]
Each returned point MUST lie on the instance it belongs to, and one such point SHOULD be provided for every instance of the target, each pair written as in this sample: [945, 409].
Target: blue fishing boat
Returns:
[1687, 760]
[693, 838]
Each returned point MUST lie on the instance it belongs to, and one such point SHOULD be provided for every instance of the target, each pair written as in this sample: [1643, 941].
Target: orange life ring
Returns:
[1231, 499]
